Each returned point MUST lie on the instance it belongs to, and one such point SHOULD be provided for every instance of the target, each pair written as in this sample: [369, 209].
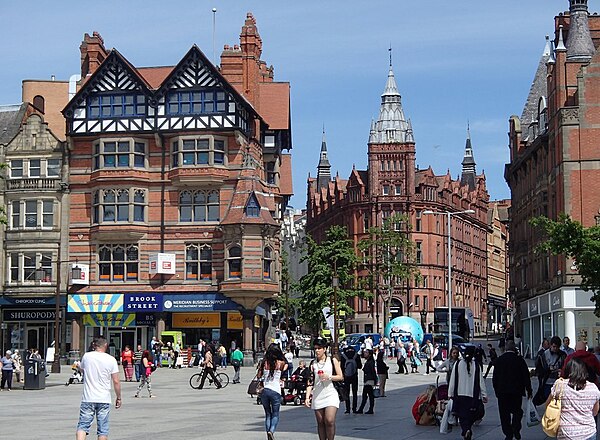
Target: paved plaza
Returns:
[179, 412]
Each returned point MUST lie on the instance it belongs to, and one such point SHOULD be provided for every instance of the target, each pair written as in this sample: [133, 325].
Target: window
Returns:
[198, 262]
[39, 103]
[234, 262]
[419, 253]
[118, 262]
[386, 190]
[398, 190]
[53, 168]
[16, 168]
[198, 151]
[425, 281]
[417, 301]
[418, 223]
[199, 206]
[35, 167]
[119, 205]
[267, 263]
[270, 168]
[114, 106]
[31, 214]
[23, 266]
[366, 221]
[119, 154]
[196, 102]
[252, 207]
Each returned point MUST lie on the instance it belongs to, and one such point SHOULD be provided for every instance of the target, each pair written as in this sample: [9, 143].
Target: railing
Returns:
[33, 184]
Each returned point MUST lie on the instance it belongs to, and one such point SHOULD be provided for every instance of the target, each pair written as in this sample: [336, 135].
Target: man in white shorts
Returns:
[99, 370]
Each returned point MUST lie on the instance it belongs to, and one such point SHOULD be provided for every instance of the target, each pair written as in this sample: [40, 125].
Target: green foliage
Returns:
[335, 253]
[569, 237]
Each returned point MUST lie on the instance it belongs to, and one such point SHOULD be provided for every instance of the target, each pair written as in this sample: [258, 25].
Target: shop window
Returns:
[267, 263]
[198, 262]
[234, 262]
[122, 153]
[199, 206]
[118, 262]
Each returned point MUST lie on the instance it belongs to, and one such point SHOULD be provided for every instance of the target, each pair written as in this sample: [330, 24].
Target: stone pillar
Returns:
[160, 327]
[75, 336]
[247, 335]
[570, 329]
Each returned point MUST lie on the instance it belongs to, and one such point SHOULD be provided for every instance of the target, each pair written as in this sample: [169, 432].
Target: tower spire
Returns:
[468, 163]
[579, 40]
[324, 167]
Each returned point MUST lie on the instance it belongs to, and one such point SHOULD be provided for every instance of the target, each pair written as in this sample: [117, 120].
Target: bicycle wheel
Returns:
[195, 381]
[224, 379]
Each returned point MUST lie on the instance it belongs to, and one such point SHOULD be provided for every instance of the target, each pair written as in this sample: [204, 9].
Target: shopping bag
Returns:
[533, 418]
[445, 426]
[376, 392]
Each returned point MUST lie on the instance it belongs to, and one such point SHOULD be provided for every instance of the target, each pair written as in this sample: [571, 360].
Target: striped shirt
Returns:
[576, 416]
[137, 357]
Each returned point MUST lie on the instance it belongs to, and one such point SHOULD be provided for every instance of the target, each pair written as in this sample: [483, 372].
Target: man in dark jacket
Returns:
[511, 381]
[351, 365]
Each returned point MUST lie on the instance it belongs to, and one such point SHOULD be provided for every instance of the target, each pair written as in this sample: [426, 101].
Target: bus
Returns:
[462, 321]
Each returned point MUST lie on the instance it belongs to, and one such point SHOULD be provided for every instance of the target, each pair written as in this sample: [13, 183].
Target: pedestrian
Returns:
[511, 381]
[401, 361]
[137, 362]
[415, 362]
[157, 353]
[480, 355]
[382, 371]
[146, 372]
[289, 358]
[321, 395]
[579, 402]
[237, 357]
[540, 364]
[8, 366]
[369, 382]
[467, 391]
[18, 366]
[127, 362]
[223, 355]
[392, 348]
[590, 361]
[518, 340]
[565, 346]
[369, 343]
[429, 356]
[351, 364]
[209, 367]
[283, 338]
[448, 364]
[493, 356]
[551, 363]
[100, 370]
[270, 371]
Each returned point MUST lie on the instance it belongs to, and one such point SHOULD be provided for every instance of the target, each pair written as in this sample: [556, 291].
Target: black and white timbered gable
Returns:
[194, 96]
[115, 99]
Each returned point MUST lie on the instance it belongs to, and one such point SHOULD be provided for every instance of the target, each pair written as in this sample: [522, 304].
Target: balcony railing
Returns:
[35, 184]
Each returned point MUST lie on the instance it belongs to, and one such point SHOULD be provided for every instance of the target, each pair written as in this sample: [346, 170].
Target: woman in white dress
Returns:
[321, 395]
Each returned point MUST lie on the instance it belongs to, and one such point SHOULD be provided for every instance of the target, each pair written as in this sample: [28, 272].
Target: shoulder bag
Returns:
[339, 386]
[551, 418]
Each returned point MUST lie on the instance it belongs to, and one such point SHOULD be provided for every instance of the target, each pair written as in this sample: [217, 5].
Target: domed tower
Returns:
[579, 41]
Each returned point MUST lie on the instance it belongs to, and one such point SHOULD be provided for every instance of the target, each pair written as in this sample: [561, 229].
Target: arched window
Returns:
[119, 205]
[234, 262]
[118, 262]
[39, 103]
[267, 263]
[198, 262]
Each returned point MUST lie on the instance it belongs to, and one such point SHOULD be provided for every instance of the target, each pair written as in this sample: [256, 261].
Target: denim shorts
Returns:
[87, 411]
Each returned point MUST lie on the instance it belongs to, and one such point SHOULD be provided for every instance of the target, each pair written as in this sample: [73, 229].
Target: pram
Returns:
[295, 390]
[76, 375]
[441, 398]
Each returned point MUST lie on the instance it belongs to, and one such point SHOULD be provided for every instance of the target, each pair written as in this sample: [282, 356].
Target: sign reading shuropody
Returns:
[198, 302]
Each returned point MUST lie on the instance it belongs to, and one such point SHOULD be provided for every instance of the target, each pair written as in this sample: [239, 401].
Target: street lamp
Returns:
[449, 215]
[423, 314]
[335, 282]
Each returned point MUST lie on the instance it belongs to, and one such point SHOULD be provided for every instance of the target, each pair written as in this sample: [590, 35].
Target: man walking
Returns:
[402, 355]
[511, 380]
[100, 369]
[137, 362]
[493, 356]
[351, 365]
[429, 352]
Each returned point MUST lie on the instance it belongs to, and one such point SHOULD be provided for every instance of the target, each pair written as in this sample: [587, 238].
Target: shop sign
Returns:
[555, 301]
[162, 263]
[30, 302]
[142, 302]
[84, 278]
[196, 320]
[145, 319]
[109, 320]
[28, 315]
[96, 303]
[533, 308]
[234, 321]
[198, 302]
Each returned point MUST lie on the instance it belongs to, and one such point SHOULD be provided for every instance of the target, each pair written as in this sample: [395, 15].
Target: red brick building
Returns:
[178, 182]
[555, 168]
[393, 185]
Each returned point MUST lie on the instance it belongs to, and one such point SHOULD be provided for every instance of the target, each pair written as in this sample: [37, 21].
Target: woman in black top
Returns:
[370, 380]
[382, 371]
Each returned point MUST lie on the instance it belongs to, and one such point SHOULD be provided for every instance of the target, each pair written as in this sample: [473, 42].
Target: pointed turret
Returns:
[468, 164]
[539, 87]
[391, 127]
[579, 40]
[324, 167]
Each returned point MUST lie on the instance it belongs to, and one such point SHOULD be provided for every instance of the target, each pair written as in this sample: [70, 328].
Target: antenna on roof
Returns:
[214, 11]
[390, 50]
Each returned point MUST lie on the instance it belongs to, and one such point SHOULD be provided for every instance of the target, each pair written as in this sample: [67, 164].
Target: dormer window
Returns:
[252, 207]
[196, 102]
[116, 106]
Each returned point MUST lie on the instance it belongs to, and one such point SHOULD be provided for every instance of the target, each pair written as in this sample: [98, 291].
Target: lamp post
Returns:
[423, 314]
[335, 281]
[449, 215]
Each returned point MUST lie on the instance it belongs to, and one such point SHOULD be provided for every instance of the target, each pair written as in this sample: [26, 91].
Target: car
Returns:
[356, 340]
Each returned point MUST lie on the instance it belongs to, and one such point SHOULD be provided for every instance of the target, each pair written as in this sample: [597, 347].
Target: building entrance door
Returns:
[37, 338]
[118, 339]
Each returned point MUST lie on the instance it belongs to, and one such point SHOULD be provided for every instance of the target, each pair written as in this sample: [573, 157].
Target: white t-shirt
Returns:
[98, 369]
[289, 357]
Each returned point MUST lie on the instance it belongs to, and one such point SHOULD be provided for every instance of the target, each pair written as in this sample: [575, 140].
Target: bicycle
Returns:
[196, 379]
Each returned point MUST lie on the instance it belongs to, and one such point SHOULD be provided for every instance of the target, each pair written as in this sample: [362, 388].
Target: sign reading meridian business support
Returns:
[198, 302]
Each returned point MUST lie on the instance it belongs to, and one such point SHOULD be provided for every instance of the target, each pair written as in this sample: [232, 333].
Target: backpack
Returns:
[350, 366]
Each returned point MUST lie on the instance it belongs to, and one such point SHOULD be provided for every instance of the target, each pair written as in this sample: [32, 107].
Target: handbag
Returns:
[376, 392]
[342, 390]
[255, 387]
[236, 362]
[551, 418]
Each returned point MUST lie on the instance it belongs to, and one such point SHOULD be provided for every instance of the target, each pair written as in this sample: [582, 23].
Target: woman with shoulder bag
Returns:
[578, 403]
[370, 380]
[321, 395]
[270, 371]
[467, 391]
[382, 371]
[237, 357]
[209, 368]
[146, 371]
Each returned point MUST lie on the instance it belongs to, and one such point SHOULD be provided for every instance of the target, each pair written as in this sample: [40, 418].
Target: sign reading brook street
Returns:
[143, 302]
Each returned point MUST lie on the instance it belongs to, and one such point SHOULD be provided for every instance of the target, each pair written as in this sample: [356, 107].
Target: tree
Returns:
[571, 238]
[334, 255]
[389, 256]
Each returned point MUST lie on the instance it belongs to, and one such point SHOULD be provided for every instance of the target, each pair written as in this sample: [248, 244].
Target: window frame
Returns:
[16, 273]
[234, 259]
[200, 202]
[101, 102]
[216, 152]
[133, 155]
[99, 205]
[205, 101]
[252, 208]
[267, 271]
[130, 270]
[24, 210]
[203, 264]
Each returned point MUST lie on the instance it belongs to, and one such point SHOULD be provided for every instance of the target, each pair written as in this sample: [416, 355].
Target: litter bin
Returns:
[35, 374]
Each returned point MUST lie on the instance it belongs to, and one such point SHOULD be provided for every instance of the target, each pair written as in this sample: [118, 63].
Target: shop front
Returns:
[28, 322]
[562, 312]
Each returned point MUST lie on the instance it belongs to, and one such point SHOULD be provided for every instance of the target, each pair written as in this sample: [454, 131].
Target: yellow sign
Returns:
[196, 320]
[234, 321]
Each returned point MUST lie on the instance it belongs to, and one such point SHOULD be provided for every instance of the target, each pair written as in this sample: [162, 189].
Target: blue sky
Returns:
[454, 61]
